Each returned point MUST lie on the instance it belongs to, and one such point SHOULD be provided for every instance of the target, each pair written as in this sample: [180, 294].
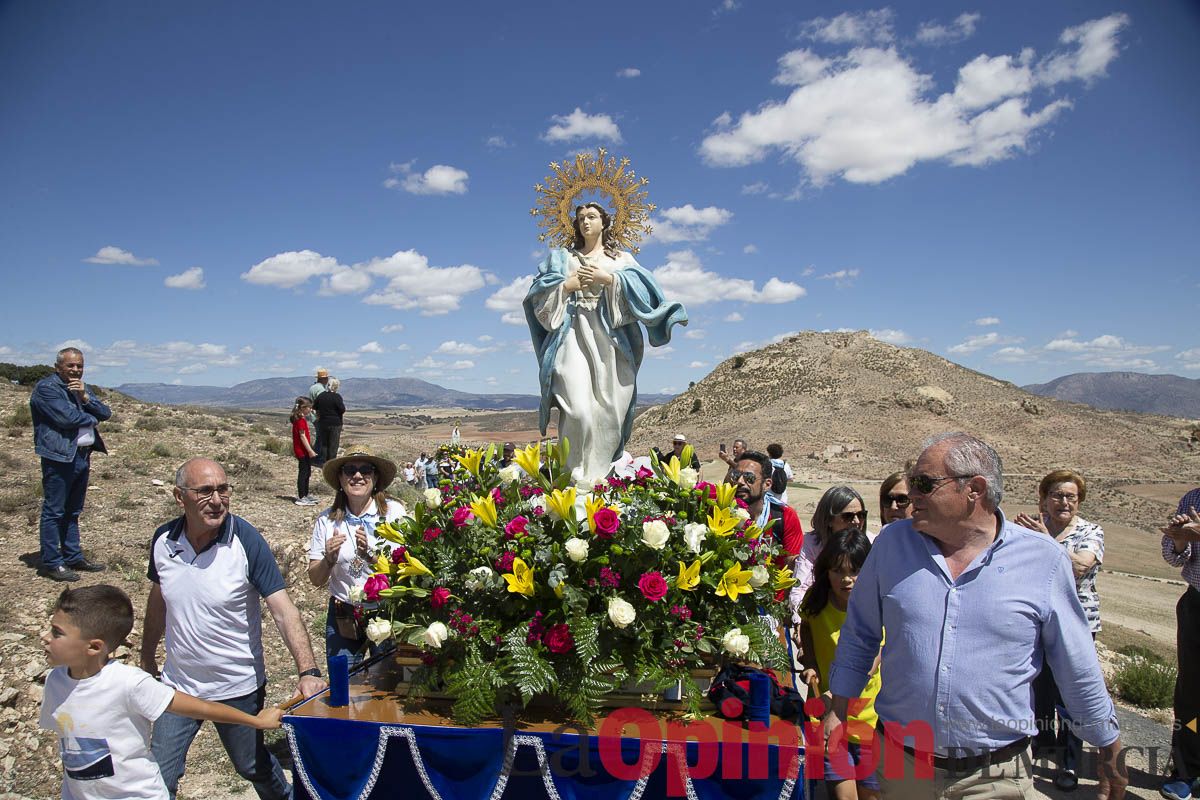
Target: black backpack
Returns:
[730, 693]
[778, 481]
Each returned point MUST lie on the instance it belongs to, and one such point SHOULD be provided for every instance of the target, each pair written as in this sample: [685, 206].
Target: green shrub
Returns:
[1144, 683]
[26, 376]
[1138, 651]
[149, 422]
[20, 417]
[280, 447]
[161, 450]
[696, 405]
[738, 361]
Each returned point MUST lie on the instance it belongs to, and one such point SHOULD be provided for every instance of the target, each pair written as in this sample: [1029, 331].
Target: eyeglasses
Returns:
[350, 470]
[925, 484]
[735, 476]
[206, 492]
[1065, 498]
[901, 500]
[853, 516]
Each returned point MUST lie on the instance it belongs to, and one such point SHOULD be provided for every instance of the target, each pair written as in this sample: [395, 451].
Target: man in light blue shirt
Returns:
[972, 605]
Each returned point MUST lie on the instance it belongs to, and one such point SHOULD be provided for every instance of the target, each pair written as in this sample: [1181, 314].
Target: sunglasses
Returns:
[853, 516]
[735, 476]
[925, 484]
[901, 500]
[350, 470]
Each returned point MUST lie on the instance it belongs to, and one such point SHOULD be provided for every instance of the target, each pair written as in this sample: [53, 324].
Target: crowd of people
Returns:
[989, 622]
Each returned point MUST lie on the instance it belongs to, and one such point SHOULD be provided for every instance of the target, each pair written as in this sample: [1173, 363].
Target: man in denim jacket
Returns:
[65, 416]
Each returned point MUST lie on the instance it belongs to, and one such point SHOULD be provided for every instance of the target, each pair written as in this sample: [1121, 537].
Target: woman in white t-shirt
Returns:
[342, 538]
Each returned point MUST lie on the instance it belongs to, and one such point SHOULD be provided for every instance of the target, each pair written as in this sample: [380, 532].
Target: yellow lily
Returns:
[529, 459]
[783, 579]
[735, 581]
[413, 566]
[725, 493]
[689, 577]
[753, 532]
[389, 531]
[671, 470]
[485, 509]
[722, 521]
[558, 590]
[592, 503]
[471, 461]
[382, 564]
[520, 580]
[562, 503]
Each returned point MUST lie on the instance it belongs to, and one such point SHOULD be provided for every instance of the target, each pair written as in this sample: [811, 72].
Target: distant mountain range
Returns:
[358, 393]
[1169, 395]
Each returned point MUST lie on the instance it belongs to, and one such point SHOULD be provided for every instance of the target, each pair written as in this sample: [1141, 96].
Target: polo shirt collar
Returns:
[224, 535]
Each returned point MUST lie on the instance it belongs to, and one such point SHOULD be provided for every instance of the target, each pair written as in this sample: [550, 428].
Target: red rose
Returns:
[653, 586]
[462, 515]
[517, 526]
[439, 597]
[374, 585]
[558, 639]
[607, 522]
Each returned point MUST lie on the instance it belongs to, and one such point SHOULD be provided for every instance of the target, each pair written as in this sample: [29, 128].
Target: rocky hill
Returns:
[1170, 395]
[863, 407]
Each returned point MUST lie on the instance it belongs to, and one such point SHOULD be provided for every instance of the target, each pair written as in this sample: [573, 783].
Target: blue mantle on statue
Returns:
[345, 758]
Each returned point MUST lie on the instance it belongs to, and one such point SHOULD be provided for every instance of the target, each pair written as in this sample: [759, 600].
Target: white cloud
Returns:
[722, 120]
[1111, 352]
[660, 352]
[430, 363]
[629, 72]
[697, 333]
[290, 269]
[688, 223]
[984, 322]
[870, 115]
[1013, 355]
[973, 343]
[934, 33]
[346, 280]
[485, 337]
[182, 357]
[750, 249]
[697, 365]
[188, 279]
[756, 188]
[509, 300]
[891, 336]
[412, 283]
[850, 28]
[684, 278]
[438, 179]
[840, 275]
[393, 328]
[579, 125]
[371, 347]
[453, 348]
[733, 316]
[497, 143]
[192, 369]
[724, 7]
[115, 255]
[1190, 359]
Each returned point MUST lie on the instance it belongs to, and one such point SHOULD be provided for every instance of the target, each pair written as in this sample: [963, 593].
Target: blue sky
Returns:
[214, 192]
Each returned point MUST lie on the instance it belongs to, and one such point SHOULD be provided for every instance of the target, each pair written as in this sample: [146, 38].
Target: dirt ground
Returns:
[129, 497]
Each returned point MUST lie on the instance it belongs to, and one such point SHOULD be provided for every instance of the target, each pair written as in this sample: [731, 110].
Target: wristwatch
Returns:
[310, 673]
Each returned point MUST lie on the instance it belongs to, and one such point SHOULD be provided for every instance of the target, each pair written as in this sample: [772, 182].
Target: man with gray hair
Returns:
[973, 606]
[65, 419]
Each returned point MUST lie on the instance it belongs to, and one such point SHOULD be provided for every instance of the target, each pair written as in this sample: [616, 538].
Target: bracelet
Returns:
[310, 673]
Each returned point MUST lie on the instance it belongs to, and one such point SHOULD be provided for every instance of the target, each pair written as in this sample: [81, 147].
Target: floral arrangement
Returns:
[516, 583]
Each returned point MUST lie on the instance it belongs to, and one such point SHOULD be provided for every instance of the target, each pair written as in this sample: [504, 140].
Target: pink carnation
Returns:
[439, 597]
[374, 585]
[644, 474]
[705, 486]
[432, 533]
[497, 497]
[607, 522]
[505, 561]
[398, 555]
[558, 639]
[517, 526]
[653, 586]
[462, 515]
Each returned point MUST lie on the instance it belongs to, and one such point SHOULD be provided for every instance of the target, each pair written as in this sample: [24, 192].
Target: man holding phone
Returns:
[65, 419]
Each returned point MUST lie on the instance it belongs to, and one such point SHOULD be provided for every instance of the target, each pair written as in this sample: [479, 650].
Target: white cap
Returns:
[679, 437]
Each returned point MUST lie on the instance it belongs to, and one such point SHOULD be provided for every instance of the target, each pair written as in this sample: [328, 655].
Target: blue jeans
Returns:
[173, 736]
[64, 485]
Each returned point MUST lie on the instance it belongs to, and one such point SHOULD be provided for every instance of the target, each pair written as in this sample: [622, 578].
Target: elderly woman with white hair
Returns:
[330, 408]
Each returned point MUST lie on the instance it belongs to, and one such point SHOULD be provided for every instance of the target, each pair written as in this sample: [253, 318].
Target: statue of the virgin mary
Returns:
[584, 310]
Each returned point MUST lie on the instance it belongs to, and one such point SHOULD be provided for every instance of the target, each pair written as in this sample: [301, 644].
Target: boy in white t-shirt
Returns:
[102, 709]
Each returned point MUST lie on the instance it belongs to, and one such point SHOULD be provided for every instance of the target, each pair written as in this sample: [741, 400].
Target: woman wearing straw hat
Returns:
[343, 536]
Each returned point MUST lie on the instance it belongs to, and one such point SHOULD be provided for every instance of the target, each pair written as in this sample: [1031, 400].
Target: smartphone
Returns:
[722, 447]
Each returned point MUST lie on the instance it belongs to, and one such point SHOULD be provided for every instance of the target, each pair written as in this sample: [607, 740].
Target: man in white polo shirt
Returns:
[209, 570]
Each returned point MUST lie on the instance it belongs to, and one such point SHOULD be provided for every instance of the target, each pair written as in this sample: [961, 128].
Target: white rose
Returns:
[478, 578]
[655, 534]
[688, 478]
[735, 642]
[694, 534]
[620, 612]
[509, 474]
[741, 513]
[435, 634]
[759, 576]
[537, 501]
[577, 549]
[433, 498]
[358, 593]
[379, 630]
